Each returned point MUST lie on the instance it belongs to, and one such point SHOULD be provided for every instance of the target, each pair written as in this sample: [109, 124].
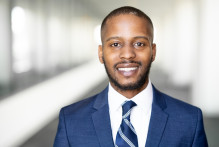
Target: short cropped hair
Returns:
[126, 10]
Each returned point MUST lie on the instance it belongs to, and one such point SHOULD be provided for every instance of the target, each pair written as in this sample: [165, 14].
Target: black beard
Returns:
[133, 86]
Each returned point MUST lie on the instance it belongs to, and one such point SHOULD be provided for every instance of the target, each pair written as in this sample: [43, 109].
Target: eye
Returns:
[115, 45]
[139, 44]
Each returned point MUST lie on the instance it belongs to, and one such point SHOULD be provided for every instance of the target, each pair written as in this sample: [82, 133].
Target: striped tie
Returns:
[126, 135]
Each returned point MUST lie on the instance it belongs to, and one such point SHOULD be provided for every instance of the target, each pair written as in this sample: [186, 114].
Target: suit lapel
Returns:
[158, 120]
[101, 120]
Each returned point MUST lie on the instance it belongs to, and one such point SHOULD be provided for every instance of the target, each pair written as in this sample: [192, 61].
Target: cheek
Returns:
[110, 57]
[145, 56]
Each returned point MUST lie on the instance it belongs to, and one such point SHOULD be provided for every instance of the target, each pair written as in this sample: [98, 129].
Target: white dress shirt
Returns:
[140, 114]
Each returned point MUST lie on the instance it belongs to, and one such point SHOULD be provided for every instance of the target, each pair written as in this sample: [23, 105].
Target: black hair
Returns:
[126, 10]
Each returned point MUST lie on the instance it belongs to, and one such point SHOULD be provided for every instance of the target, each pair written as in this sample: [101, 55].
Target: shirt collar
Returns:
[143, 99]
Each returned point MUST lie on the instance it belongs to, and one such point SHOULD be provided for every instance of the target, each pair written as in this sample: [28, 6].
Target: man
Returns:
[130, 111]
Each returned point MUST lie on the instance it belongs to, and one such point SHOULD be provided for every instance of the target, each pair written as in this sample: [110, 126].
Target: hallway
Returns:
[48, 52]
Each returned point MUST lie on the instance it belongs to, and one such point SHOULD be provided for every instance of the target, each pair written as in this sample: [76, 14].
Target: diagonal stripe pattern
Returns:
[126, 135]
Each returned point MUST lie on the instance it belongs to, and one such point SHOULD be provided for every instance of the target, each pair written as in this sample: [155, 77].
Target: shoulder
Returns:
[175, 106]
[182, 113]
[86, 106]
[80, 107]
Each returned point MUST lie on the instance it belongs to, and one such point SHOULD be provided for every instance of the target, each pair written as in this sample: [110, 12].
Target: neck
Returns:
[130, 93]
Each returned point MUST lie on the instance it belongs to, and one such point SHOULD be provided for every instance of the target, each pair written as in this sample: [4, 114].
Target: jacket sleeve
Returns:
[200, 139]
[61, 139]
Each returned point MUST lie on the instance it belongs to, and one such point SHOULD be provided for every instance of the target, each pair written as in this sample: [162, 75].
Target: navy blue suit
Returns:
[173, 123]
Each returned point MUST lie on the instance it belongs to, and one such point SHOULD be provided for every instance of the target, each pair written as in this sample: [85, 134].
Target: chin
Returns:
[128, 86]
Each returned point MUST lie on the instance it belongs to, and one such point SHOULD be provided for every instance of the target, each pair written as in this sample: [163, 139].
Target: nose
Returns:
[127, 52]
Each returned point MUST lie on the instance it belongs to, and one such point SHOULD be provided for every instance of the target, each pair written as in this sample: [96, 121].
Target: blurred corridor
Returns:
[48, 52]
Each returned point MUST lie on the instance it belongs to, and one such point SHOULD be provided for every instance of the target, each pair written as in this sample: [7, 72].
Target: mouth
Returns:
[128, 69]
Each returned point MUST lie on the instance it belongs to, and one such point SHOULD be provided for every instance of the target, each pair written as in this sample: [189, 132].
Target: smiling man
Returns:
[130, 112]
[127, 52]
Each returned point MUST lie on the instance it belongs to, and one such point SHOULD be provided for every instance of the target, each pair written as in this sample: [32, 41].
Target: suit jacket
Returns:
[173, 123]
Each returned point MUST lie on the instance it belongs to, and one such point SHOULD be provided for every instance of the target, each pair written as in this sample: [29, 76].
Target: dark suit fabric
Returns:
[173, 123]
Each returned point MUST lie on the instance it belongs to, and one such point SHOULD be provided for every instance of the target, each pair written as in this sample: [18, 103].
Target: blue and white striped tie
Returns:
[126, 135]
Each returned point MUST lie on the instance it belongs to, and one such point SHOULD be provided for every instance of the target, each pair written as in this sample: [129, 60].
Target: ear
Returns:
[154, 50]
[100, 53]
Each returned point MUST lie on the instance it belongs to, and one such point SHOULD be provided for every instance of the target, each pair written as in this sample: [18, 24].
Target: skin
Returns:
[127, 38]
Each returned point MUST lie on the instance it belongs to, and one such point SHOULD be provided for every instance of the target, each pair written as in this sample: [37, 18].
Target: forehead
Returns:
[123, 18]
[125, 25]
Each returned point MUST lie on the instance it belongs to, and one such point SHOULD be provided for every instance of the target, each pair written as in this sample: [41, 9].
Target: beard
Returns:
[143, 77]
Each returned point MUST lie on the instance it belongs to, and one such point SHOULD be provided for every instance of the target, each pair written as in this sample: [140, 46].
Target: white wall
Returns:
[5, 43]
[206, 93]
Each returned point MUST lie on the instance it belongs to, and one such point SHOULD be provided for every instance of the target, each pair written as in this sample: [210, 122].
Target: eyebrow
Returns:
[144, 37]
[110, 38]
[136, 37]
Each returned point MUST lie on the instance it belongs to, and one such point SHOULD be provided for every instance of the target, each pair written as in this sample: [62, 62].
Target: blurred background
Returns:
[48, 59]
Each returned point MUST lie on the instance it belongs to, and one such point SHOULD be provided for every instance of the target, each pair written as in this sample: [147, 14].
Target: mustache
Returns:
[125, 62]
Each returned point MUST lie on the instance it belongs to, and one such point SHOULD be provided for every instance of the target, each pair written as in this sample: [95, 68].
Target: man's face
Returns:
[127, 51]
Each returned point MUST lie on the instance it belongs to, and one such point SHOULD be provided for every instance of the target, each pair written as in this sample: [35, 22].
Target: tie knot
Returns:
[126, 108]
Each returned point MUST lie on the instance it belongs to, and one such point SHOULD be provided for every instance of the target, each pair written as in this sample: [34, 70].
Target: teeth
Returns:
[127, 69]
